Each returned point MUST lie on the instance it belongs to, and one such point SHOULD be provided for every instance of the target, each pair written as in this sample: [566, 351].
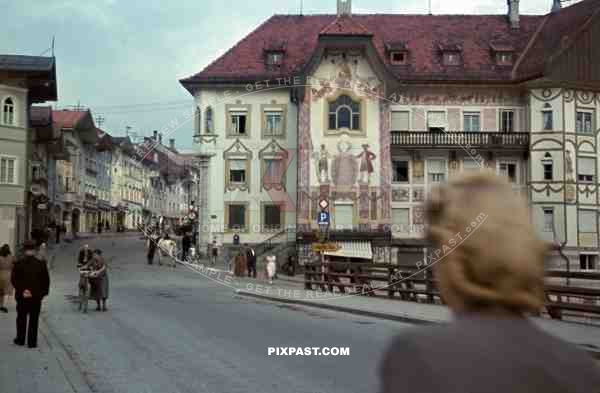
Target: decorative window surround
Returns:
[265, 109]
[503, 165]
[266, 227]
[273, 151]
[237, 151]
[246, 227]
[6, 175]
[230, 110]
[362, 111]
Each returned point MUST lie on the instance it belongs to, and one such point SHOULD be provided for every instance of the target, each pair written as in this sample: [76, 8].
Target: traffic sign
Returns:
[324, 203]
[323, 218]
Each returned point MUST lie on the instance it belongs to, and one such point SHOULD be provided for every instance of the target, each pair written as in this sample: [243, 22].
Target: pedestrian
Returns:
[186, 243]
[239, 269]
[491, 277]
[251, 260]
[99, 225]
[271, 267]
[58, 230]
[31, 282]
[42, 253]
[214, 252]
[99, 280]
[85, 255]
[227, 258]
[151, 245]
[6, 264]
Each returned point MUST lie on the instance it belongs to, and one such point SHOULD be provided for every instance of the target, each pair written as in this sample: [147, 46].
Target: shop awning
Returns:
[352, 249]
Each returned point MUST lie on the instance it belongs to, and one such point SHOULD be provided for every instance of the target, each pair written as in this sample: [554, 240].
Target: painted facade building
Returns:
[374, 109]
[24, 80]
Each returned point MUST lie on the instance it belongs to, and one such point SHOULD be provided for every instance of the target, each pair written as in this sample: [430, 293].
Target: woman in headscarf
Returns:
[99, 280]
[6, 264]
[490, 270]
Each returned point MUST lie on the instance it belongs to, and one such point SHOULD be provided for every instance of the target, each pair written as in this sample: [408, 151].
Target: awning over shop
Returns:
[352, 249]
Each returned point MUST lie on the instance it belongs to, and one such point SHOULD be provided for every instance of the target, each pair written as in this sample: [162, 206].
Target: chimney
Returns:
[160, 138]
[172, 143]
[155, 135]
[344, 8]
[556, 6]
[513, 13]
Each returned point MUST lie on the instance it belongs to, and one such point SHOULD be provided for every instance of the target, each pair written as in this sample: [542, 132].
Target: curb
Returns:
[349, 310]
[373, 314]
[71, 371]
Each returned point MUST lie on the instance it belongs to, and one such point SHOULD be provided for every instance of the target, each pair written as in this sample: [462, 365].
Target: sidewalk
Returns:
[46, 369]
[585, 336]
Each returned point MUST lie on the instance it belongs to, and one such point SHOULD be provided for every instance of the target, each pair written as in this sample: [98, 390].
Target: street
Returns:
[173, 330]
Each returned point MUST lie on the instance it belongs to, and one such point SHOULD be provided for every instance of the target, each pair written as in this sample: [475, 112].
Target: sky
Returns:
[123, 58]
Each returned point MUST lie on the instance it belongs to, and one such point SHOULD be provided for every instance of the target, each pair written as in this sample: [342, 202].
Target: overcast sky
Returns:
[117, 56]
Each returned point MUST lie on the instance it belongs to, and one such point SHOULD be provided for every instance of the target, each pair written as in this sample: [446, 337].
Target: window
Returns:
[587, 262]
[238, 123]
[237, 216]
[472, 121]
[400, 121]
[452, 58]
[401, 218]
[587, 221]
[583, 122]
[436, 171]
[7, 170]
[273, 169]
[272, 216]
[507, 118]
[208, 120]
[547, 121]
[399, 171]
[344, 113]
[274, 58]
[504, 58]
[548, 170]
[548, 220]
[586, 170]
[398, 57]
[508, 169]
[344, 216]
[273, 123]
[237, 171]
[8, 111]
[436, 121]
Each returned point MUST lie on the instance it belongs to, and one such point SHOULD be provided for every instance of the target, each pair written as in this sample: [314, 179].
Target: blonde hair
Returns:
[498, 262]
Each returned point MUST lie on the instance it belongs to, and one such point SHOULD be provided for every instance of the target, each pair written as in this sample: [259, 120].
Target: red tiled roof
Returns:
[419, 33]
[555, 34]
[68, 119]
[422, 36]
[345, 25]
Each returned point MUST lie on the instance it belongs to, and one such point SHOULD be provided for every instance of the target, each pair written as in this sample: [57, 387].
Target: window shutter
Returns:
[400, 121]
[400, 217]
[436, 119]
[587, 221]
[344, 215]
[237, 164]
[585, 166]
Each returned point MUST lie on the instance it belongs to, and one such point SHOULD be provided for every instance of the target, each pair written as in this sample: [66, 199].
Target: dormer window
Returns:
[502, 52]
[451, 58]
[504, 58]
[398, 57]
[274, 58]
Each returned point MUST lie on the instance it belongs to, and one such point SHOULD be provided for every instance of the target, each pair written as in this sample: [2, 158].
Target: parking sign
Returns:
[323, 218]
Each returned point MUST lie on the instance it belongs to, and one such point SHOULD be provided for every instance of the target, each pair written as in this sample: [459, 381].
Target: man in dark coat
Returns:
[31, 281]
[251, 260]
[186, 243]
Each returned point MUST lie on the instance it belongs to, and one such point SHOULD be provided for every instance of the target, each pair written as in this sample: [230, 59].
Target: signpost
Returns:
[324, 220]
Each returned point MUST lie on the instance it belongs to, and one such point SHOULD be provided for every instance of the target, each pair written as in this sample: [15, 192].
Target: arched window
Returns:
[208, 118]
[548, 165]
[8, 111]
[197, 121]
[344, 113]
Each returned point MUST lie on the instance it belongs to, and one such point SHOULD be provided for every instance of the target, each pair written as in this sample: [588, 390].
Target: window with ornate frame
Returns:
[238, 120]
[208, 121]
[345, 115]
[272, 216]
[273, 121]
[8, 112]
[237, 216]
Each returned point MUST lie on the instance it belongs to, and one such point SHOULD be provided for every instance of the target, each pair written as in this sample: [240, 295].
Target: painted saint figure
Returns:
[323, 165]
[366, 163]
[570, 170]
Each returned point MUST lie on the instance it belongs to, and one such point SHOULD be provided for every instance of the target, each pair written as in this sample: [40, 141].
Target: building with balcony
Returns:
[104, 149]
[358, 115]
[24, 80]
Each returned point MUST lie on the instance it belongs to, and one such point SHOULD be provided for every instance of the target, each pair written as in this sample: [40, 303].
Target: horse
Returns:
[167, 248]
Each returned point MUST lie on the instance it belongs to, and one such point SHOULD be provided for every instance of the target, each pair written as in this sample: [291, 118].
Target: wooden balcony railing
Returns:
[510, 140]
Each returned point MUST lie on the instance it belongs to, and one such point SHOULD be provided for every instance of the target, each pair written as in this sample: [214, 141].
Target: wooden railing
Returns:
[580, 295]
[460, 138]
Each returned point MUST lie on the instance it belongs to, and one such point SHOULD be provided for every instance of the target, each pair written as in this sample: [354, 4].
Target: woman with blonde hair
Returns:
[489, 265]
